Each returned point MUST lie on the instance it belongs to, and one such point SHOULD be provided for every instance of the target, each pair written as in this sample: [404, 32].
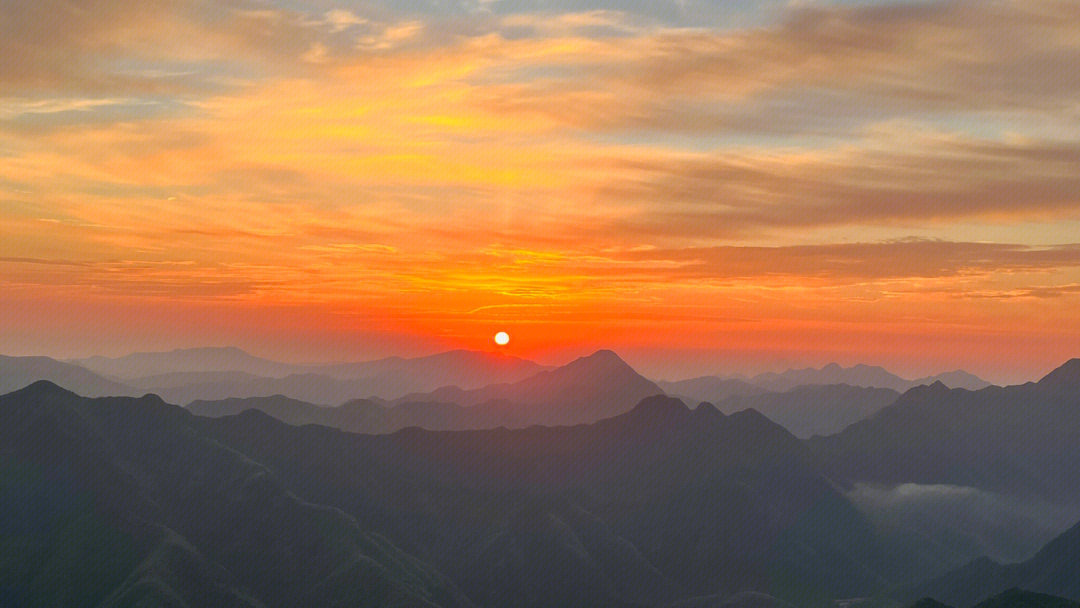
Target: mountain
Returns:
[870, 376]
[585, 390]
[653, 505]
[128, 502]
[815, 409]
[710, 388]
[1053, 570]
[17, 372]
[1018, 440]
[207, 359]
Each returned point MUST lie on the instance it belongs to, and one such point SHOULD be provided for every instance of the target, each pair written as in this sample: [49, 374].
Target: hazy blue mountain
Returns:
[857, 375]
[206, 359]
[186, 387]
[187, 375]
[871, 376]
[710, 388]
[129, 502]
[1054, 570]
[1019, 440]
[815, 409]
[462, 368]
[17, 372]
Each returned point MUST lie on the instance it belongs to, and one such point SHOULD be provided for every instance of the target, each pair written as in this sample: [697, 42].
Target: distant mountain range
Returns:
[17, 372]
[1010, 598]
[585, 390]
[185, 375]
[456, 389]
[717, 388]
[811, 410]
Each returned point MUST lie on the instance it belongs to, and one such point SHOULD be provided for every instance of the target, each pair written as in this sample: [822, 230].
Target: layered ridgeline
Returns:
[117, 501]
[585, 390]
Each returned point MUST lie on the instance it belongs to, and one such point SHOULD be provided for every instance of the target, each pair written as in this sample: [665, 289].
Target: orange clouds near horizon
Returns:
[888, 182]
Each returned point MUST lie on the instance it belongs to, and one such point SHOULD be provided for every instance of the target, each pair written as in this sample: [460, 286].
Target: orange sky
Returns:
[702, 186]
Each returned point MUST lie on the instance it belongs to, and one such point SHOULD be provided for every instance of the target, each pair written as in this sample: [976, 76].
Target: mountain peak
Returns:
[43, 389]
[603, 356]
[1065, 377]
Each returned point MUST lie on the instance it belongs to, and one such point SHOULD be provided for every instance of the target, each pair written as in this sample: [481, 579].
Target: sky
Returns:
[702, 186]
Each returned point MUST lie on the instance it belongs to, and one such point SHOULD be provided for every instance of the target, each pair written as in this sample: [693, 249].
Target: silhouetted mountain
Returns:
[869, 376]
[17, 372]
[816, 409]
[1054, 570]
[1021, 440]
[586, 389]
[1065, 379]
[128, 502]
[710, 388]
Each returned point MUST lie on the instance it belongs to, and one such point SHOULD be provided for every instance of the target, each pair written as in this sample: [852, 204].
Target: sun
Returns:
[502, 338]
